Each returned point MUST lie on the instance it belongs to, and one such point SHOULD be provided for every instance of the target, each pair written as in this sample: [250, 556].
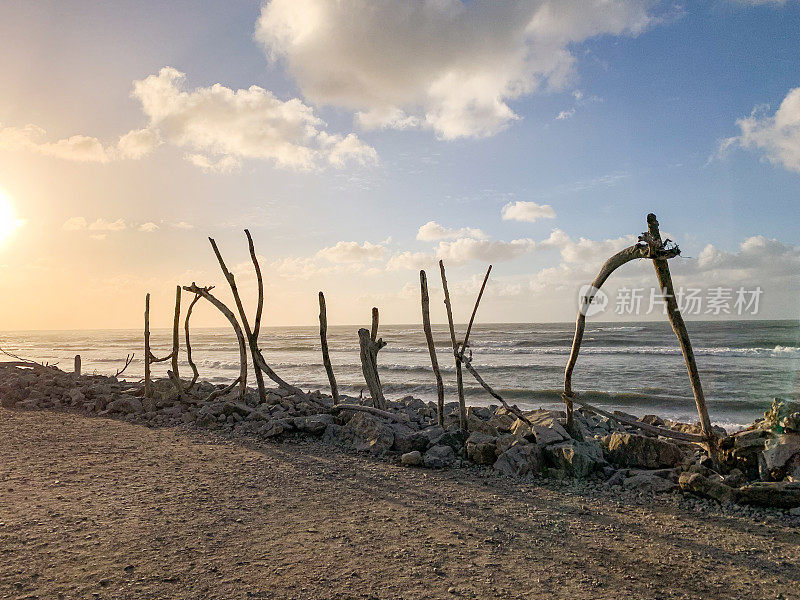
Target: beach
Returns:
[101, 508]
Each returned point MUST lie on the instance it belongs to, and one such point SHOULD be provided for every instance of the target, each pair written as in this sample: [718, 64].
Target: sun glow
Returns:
[8, 220]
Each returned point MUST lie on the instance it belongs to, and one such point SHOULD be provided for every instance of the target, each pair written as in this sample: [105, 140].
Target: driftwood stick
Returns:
[217, 393]
[342, 406]
[148, 386]
[176, 323]
[128, 361]
[512, 409]
[373, 333]
[205, 293]
[262, 393]
[678, 435]
[369, 366]
[189, 359]
[178, 384]
[262, 364]
[77, 369]
[323, 338]
[462, 409]
[465, 343]
[679, 327]
[426, 325]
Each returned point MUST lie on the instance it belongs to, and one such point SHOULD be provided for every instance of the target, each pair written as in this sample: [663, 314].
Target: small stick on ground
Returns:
[426, 325]
[462, 409]
[217, 393]
[323, 338]
[342, 406]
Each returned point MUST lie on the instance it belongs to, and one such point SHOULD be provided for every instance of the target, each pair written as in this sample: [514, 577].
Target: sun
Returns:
[8, 220]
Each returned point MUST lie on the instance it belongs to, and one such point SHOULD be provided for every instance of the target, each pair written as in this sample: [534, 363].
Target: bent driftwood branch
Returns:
[205, 293]
[510, 408]
[217, 393]
[462, 409]
[189, 359]
[323, 339]
[342, 406]
[426, 326]
[128, 361]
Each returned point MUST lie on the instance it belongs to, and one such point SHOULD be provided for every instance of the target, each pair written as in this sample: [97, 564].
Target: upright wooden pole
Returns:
[77, 365]
[462, 408]
[323, 338]
[679, 327]
[148, 389]
[176, 324]
[426, 325]
[373, 333]
[369, 366]
[253, 339]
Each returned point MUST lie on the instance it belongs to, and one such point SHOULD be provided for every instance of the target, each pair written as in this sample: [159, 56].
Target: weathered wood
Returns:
[369, 366]
[462, 408]
[205, 293]
[323, 339]
[217, 393]
[77, 369]
[189, 359]
[465, 343]
[670, 433]
[128, 360]
[262, 394]
[426, 326]
[176, 323]
[373, 334]
[679, 327]
[342, 406]
[512, 409]
[178, 385]
[262, 364]
[148, 386]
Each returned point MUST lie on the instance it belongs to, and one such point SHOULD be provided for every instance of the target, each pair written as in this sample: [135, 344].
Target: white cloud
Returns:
[432, 231]
[74, 224]
[777, 136]
[565, 114]
[410, 260]
[182, 225]
[31, 138]
[466, 249]
[138, 143]
[226, 164]
[527, 211]
[103, 225]
[347, 252]
[148, 227]
[446, 65]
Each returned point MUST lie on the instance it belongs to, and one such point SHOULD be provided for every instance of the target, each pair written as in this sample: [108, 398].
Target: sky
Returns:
[362, 140]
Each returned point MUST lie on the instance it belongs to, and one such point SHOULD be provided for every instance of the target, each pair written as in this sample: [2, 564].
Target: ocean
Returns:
[635, 367]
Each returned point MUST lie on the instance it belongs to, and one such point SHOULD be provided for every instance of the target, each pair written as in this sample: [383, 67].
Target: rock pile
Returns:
[758, 466]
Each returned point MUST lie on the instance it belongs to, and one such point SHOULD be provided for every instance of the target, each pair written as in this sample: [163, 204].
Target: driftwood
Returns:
[510, 408]
[178, 384]
[205, 293]
[679, 327]
[465, 343]
[148, 389]
[77, 369]
[217, 393]
[189, 359]
[373, 332]
[292, 389]
[262, 395]
[128, 361]
[176, 322]
[426, 326]
[369, 364]
[462, 409]
[342, 406]
[323, 338]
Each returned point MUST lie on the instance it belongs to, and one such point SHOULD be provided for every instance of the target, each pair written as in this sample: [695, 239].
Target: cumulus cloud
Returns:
[74, 224]
[527, 211]
[103, 225]
[432, 231]
[31, 138]
[777, 136]
[410, 260]
[148, 227]
[448, 65]
[466, 249]
[350, 252]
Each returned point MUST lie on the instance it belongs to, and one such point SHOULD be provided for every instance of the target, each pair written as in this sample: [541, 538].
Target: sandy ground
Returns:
[96, 508]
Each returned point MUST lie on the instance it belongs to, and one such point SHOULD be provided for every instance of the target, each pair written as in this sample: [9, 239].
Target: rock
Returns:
[545, 429]
[648, 483]
[432, 434]
[332, 434]
[313, 424]
[366, 432]
[125, 404]
[407, 439]
[482, 448]
[502, 422]
[507, 440]
[777, 453]
[455, 438]
[735, 479]
[632, 450]
[480, 412]
[795, 512]
[29, 404]
[439, 457]
[412, 459]
[777, 494]
[577, 459]
[700, 485]
[520, 460]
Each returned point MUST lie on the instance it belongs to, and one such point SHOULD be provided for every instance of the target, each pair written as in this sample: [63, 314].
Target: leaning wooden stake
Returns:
[148, 387]
[176, 323]
[323, 338]
[259, 310]
[465, 343]
[462, 409]
[679, 327]
[426, 326]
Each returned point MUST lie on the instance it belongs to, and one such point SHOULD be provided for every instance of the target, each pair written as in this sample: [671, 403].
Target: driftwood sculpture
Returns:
[426, 325]
[149, 357]
[323, 339]
[651, 246]
[370, 345]
[462, 409]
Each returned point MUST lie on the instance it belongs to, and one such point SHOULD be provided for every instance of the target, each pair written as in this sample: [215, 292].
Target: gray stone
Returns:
[631, 450]
[412, 459]
[699, 485]
[367, 433]
[520, 460]
[126, 405]
[433, 434]
[332, 434]
[777, 453]
[648, 483]
[314, 424]
[439, 457]
[577, 459]
[482, 448]
[776, 494]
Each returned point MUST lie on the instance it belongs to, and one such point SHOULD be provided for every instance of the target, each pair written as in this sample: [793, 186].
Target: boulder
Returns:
[439, 457]
[502, 422]
[366, 432]
[777, 494]
[648, 483]
[507, 440]
[482, 448]
[700, 485]
[412, 459]
[520, 460]
[545, 429]
[432, 434]
[455, 438]
[313, 424]
[778, 452]
[577, 459]
[632, 450]
[125, 404]
[407, 439]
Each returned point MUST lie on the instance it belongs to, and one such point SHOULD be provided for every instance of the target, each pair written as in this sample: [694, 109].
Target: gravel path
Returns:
[98, 508]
